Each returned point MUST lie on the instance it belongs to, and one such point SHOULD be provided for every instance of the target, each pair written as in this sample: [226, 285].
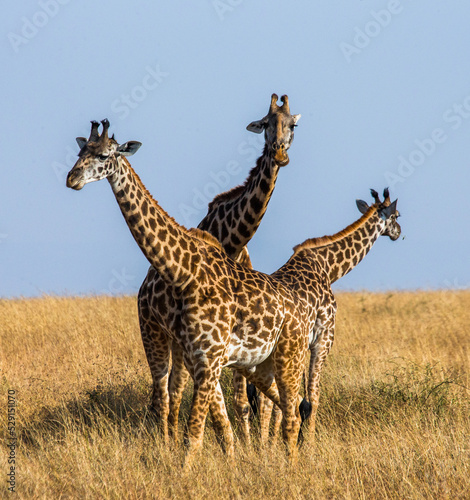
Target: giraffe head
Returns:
[97, 156]
[387, 211]
[278, 126]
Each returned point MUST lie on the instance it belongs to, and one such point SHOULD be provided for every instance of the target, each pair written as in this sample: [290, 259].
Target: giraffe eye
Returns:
[103, 157]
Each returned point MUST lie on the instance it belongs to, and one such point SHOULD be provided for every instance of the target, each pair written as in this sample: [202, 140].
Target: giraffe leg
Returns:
[276, 420]
[288, 381]
[206, 374]
[284, 394]
[263, 379]
[205, 368]
[265, 407]
[318, 354]
[178, 380]
[270, 414]
[275, 416]
[221, 422]
[157, 349]
[288, 363]
[241, 406]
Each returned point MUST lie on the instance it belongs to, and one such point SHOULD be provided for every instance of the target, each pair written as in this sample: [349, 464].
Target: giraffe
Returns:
[319, 262]
[233, 217]
[337, 255]
[231, 315]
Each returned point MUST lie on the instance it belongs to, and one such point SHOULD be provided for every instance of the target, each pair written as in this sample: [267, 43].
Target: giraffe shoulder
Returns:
[206, 237]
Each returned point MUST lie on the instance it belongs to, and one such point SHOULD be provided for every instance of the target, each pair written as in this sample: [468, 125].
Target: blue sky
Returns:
[384, 93]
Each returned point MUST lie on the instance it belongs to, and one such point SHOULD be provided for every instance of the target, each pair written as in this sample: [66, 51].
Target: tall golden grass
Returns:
[393, 422]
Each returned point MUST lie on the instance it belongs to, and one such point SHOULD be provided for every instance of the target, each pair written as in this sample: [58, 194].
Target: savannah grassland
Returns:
[393, 422]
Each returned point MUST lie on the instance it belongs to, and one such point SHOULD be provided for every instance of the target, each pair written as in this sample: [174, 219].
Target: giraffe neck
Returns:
[234, 216]
[166, 245]
[342, 252]
[344, 255]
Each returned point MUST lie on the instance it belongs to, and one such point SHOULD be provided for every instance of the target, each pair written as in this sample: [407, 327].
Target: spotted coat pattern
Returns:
[233, 217]
[229, 316]
[319, 262]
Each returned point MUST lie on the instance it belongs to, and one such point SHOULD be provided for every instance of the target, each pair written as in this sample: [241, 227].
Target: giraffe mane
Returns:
[227, 196]
[327, 240]
[205, 236]
[235, 192]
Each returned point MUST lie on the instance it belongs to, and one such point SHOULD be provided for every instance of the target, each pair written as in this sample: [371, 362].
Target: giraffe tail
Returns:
[305, 406]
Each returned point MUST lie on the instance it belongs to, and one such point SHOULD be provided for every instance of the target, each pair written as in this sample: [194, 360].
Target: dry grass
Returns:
[393, 419]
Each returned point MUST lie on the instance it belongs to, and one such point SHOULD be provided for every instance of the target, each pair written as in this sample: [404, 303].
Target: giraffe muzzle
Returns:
[75, 180]
[396, 234]
[280, 154]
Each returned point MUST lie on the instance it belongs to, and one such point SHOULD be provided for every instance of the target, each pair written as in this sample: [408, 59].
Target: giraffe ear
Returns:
[129, 148]
[386, 212]
[296, 118]
[258, 126]
[362, 206]
[81, 141]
